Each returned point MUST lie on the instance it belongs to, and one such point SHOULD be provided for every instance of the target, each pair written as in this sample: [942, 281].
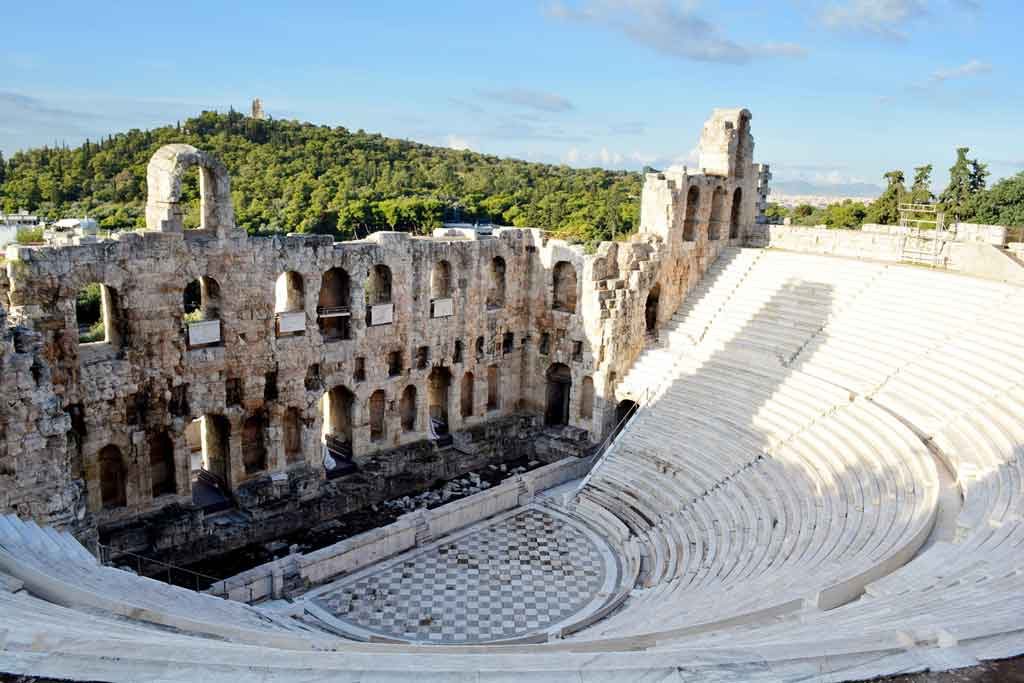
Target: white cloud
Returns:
[454, 141]
[668, 27]
[530, 99]
[883, 18]
[974, 67]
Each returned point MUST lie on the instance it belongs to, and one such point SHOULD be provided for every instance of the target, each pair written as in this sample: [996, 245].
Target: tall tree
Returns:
[966, 179]
[3, 169]
[921, 190]
[886, 209]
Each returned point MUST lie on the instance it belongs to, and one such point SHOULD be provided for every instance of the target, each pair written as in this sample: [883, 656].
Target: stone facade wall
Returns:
[76, 405]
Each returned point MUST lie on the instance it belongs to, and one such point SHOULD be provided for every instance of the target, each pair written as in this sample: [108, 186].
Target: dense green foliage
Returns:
[289, 176]
[29, 235]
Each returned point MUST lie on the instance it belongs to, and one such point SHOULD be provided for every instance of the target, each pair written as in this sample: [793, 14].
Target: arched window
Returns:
[379, 310]
[161, 464]
[292, 428]
[457, 352]
[564, 287]
[717, 214]
[734, 217]
[208, 439]
[467, 395]
[651, 310]
[334, 305]
[96, 315]
[112, 479]
[559, 387]
[479, 347]
[437, 394]
[587, 399]
[201, 300]
[496, 286]
[377, 402]
[289, 304]
[407, 407]
[493, 387]
[337, 410]
[691, 215]
[441, 280]
[254, 450]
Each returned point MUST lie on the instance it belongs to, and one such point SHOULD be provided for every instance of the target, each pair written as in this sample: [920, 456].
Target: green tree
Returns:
[776, 212]
[966, 178]
[921, 190]
[885, 209]
[1003, 203]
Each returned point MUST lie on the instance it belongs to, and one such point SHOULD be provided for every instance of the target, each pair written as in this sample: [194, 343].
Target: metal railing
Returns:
[105, 554]
[333, 311]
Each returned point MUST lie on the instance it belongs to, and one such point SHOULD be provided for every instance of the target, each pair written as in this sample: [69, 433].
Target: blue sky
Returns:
[840, 91]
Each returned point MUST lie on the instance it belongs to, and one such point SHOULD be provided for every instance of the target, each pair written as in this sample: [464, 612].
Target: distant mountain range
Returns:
[803, 187]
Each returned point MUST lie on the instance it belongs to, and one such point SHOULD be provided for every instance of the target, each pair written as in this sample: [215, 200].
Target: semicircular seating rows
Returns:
[824, 483]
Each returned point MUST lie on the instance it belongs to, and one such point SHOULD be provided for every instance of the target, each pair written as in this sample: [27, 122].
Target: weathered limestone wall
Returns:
[566, 314]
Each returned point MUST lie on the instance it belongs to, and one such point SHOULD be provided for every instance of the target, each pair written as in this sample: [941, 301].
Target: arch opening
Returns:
[334, 306]
[651, 310]
[437, 396]
[292, 435]
[734, 216]
[408, 408]
[289, 304]
[467, 395]
[717, 211]
[254, 446]
[564, 282]
[559, 388]
[587, 399]
[379, 308]
[692, 212]
[493, 387]
[113, 492]
[377, 405]
[161, 464]
[336, 407]
[202, 302]
[96, 315]
[496, 286]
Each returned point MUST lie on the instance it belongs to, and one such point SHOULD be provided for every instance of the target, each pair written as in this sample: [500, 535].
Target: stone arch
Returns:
[480, 347]
[201, 299]
[441, 280]
[334, 305]
[98, 315]
[734, 215]
[559, 388]
[624, 411]
[337, 407]
[254, 445]
[208, 438]
[467, 394]
[113, 486]
[161, 464]
[377, 404]
[690, 218]
[407, 407]
[496, 285]
[289, 292]
[651, 310]
[378, 285]
[291, 423]
[587, 398]
[564, 287]
[457, 352]
[438, 382]
[717, 213]
[164, 175]
[493, 387]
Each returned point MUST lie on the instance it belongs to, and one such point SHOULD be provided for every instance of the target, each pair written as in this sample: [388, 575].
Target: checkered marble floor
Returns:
[517, 576]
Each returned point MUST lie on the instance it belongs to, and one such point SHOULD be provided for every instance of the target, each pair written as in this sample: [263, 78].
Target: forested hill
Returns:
[289, 176]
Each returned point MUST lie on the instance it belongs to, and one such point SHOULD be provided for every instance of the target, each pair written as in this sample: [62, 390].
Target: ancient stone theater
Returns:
[721, 450]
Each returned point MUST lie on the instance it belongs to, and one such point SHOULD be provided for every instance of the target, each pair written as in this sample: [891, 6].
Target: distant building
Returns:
[257, 109]
[11, 223]
[72, 231]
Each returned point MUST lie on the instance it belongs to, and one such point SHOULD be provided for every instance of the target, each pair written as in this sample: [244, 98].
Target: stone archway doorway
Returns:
[559, 388]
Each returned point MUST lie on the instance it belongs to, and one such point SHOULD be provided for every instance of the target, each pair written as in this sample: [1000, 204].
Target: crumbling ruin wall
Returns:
[514, 313]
